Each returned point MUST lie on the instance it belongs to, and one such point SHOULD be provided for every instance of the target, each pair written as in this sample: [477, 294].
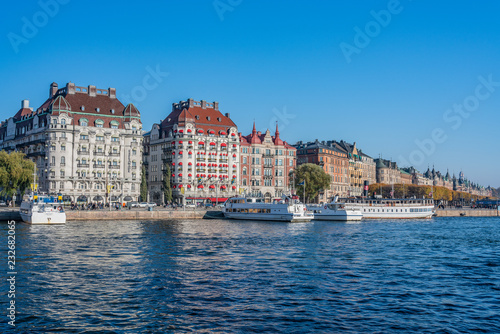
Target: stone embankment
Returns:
[95, 215]
[467, 213]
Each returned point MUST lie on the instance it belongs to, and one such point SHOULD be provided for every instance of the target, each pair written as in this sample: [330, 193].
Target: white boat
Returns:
[334, 211]
[286, 209]
[394, 208]
[42, 210]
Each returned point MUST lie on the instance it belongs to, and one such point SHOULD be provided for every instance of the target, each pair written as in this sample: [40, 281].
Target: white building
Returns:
[83, 141]
[201, 147]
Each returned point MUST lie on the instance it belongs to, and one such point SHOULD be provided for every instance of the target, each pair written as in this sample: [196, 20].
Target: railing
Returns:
[83, 152]
[99, 153]
[114, 166]
[98, 166]
[112, 154]
[83, 165]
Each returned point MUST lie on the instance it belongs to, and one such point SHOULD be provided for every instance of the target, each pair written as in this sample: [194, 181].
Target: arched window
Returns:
[99, 123]
[63, 121]
[84, 122]
[114, 124]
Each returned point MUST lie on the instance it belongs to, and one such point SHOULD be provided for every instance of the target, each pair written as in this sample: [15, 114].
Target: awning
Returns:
[127, 198]
[201, 143]
[98, 198]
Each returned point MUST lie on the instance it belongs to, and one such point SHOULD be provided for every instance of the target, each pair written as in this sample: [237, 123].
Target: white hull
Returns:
[339, 216]
[42, 213]
[401, 212]
[269, 217]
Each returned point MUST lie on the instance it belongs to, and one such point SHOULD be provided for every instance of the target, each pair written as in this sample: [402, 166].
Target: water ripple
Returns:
[432, 276]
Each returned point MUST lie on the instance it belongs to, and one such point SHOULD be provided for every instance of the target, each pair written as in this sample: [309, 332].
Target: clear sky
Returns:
[416, 81]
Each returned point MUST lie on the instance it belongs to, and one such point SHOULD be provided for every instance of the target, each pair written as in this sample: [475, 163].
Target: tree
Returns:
[16, 172]
[167, 190]
[315, 178]
[144, 185]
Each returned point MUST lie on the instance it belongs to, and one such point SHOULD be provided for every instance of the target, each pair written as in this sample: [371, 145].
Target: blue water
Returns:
[209, 276]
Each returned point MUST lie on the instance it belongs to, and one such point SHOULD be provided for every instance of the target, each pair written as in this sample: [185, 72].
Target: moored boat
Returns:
[285, 209]
[42, 210]
[334, 211]
[392, 208]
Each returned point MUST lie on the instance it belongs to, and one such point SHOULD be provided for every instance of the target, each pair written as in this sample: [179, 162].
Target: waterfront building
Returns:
[387, 171]
[334, 161]
[266, 162]
[201, 147]
[86, 144]
[361, 168]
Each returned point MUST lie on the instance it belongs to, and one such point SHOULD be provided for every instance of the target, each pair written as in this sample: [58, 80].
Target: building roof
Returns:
[329, 145]
[256, 137]
[205, 116]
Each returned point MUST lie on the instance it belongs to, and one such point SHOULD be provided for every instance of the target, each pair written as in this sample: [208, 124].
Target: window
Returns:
[84, 137]
[62, 173]
[99, 123]
[63, 121]
[84, 122]
[63, 147]
[99, 138]
[63, 135]
[244, 171]
[133, 164]
[114, 124]
[115, 139]
[244, 160]
[134, 152]
[63, 160]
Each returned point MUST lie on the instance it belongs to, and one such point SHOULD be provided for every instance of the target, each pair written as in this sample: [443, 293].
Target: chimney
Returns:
[92, 90]
[53, 89]
[226, 114]
[70, 88]
[25, 104]
[203, 104]
[216, 106]
[190, 103]
[112, 93]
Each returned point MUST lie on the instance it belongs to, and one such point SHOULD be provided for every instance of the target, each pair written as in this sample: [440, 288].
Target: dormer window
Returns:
[208, 118]
[112, 111]
[219, 119]
[98, 109]
[169, 119]
[197, 116]
[84, 122]
[82, 108]
[114, 124]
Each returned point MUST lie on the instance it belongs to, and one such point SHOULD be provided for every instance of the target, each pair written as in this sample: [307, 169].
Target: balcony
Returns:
[98, 153]
[83, 165]
[114, 166]
[83, 152]
[98, 166]
[114, 154]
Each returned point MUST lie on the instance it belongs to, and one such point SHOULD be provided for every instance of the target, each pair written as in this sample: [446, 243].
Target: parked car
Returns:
[208, 205]
[142, 205]
[2, 203]
[133, 204]
[150, 204]
[192, 206]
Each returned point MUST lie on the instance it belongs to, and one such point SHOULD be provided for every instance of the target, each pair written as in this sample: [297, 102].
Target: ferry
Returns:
[285, 209]
[42, 209]
[335, 211]
[392, 208]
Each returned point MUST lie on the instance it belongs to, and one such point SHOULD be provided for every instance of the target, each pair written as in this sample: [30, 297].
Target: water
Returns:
[415, 276]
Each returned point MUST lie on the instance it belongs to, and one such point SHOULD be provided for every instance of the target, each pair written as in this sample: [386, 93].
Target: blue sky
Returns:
[285, 61]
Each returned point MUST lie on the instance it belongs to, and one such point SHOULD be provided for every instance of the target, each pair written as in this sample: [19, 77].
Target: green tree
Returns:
[144, 185]
[16, 172]
[167, 190]
[315, 178]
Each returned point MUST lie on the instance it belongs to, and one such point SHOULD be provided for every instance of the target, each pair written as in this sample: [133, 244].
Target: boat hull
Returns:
[268, 217]
[44, 218]
[339, 217]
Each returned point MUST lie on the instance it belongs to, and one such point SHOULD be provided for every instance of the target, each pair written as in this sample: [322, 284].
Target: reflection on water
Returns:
[238, 276]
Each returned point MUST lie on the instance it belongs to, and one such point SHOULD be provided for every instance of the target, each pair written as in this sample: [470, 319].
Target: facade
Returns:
[86, 144]
[387, 172]
[201, 147]
[334, 161]
[361, 168]
[265, 164]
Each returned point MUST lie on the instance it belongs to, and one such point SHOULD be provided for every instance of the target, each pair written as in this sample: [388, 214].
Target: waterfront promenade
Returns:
[159, 213]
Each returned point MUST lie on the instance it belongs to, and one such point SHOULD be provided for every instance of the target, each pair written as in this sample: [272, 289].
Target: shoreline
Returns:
[161, 214]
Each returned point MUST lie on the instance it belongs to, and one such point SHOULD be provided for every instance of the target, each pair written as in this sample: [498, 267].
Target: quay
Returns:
[124, 214]
[164, 214]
